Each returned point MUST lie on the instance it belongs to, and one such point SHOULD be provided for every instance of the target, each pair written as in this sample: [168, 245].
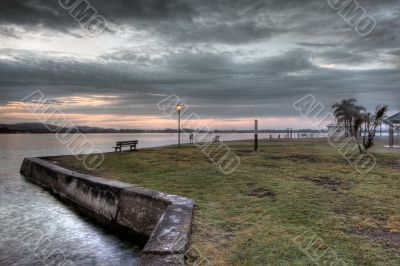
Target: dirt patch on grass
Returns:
[327, 182]
[254, 190]
[304, 157]
[394, 163]
[390, 239]
[386, 231]
[296, 158]
[266, 165]
[246, 153]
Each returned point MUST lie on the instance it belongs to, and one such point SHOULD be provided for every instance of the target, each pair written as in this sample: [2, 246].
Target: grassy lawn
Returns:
[285, 190]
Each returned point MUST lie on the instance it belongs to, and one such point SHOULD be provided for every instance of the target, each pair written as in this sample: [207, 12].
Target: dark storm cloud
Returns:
[225, 21]
[33, 68]
[34, 13]
[206, 21]
[213, 80]
[214, 84]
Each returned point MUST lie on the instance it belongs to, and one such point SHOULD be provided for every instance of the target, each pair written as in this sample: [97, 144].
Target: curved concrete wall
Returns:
[164, 219]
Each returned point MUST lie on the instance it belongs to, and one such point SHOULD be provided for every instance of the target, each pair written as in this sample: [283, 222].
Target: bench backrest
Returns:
[124, 143]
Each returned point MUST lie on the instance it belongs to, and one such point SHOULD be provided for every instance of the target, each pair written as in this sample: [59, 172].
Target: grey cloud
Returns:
[186, 20]
[341, 56]
[395, 52]
[212, 83]
[315, 44]
[211, 79]
[223, 21]
[31, 14]
[9, 32]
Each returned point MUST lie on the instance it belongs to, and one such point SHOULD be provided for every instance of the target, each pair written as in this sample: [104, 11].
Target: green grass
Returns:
[286, 189]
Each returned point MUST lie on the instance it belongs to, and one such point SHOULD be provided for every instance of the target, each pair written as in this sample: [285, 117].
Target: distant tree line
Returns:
[37, 128]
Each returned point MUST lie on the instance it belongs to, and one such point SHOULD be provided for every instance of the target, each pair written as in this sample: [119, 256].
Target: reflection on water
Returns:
[36, 229]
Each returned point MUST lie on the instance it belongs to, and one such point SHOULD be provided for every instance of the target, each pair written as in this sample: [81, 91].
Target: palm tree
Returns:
[370, 124]
[346, 113]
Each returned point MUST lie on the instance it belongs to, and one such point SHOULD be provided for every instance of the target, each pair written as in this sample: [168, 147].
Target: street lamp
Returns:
[179, 108]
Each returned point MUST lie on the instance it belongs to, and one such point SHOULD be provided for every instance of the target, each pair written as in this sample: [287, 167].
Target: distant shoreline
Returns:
[171, 132]
[164, 132]
[38, 128]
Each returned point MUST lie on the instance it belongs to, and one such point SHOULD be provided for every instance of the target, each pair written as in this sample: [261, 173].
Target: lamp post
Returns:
[179, 108]
[391, 135]
[256, 135]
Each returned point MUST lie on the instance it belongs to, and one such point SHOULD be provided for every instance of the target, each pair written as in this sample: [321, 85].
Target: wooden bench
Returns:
[216, 139]
[131, 144]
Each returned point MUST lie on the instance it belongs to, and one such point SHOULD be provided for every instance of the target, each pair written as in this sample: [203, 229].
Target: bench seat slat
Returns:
[126, 143]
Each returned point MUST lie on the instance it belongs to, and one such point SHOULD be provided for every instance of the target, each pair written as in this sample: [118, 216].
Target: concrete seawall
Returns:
[165, 220]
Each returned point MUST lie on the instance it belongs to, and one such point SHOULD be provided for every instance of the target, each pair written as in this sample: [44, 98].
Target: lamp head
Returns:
[179, 107]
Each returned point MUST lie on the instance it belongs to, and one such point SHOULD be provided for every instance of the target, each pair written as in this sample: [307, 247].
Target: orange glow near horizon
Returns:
[154, 122]
[15, 112]
[86, 100]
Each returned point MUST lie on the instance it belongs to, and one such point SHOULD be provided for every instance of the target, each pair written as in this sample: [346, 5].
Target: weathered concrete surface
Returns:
[165, 260]
[176, 221]
[164, 219]
[140, 210]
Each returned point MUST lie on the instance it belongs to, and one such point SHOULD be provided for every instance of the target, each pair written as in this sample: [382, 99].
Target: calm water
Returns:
[37, 229]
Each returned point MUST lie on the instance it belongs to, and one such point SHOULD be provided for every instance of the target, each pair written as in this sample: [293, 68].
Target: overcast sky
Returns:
[231, 61]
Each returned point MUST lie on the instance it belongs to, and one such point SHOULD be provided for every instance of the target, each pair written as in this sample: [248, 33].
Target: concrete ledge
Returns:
[165, 220]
